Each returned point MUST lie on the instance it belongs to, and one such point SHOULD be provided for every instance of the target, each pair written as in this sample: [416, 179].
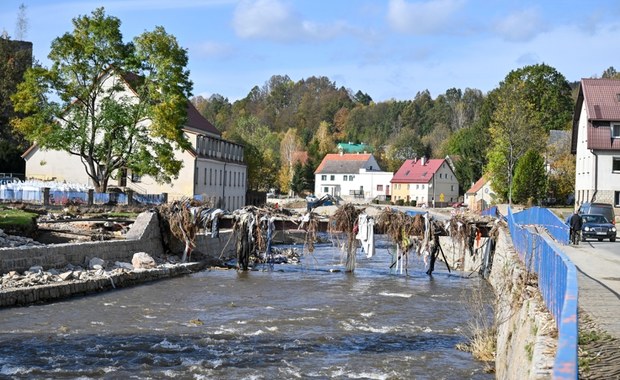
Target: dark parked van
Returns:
[604, 209]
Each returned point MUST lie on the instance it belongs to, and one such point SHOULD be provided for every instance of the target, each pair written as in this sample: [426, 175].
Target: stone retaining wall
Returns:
[51, 292]
[526, 332]
[143, 236]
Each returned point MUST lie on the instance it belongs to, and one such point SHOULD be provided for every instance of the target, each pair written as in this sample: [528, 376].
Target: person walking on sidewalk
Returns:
[575, 228]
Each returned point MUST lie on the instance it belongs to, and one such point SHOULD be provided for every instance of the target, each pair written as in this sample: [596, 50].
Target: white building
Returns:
[480, 195]
[351, 177]
[596, 142]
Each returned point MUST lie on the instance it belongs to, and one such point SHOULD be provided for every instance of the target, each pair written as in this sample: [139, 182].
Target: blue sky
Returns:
[390, 49]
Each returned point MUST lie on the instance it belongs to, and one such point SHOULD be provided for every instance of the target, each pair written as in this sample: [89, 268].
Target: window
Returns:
[196, 176]
[451, 188]
[417, 187]
[135, 177]
[332, 177]
[323, 177]
[615, 131]
[345, 177]
[326, 190]
[351, 178]
[422, 187]
[617, 198]
[379, 187]
[205, 179]
[210, 175]
[615, 167]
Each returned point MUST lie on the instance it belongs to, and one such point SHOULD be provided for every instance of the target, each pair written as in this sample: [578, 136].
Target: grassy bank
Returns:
[15, 220]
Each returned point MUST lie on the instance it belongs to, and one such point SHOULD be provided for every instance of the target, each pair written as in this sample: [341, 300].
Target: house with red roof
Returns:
[596, 142]
[480, 195]
[213, 167]
[351, 176]
[430, 182]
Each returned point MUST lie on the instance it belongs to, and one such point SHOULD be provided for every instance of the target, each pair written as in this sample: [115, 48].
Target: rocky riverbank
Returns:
[15, 241]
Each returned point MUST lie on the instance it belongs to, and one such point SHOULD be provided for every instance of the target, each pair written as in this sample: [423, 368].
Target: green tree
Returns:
[298, 183]
[513, 131]
[15, 59]
[404, 145]
[547, 91]
[81, 105]
[562, 177]
[261, 151]
[466, 145]
[610, 73]
[530, 180]
[325, 139]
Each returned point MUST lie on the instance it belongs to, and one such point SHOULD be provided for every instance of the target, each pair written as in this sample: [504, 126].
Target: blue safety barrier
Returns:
[493, 211]
[543, 217]
[557, 281]
[77, 198]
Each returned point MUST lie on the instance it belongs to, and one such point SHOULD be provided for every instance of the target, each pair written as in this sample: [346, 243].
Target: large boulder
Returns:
[96, 263]
[142, 260]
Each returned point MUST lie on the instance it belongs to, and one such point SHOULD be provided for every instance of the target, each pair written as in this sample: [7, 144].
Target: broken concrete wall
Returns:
[144, 236]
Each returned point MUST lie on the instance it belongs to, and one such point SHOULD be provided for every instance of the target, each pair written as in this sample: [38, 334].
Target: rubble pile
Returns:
[96, 269]
[15, 241]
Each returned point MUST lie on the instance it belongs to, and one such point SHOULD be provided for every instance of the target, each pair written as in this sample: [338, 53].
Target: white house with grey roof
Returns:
[351, 177]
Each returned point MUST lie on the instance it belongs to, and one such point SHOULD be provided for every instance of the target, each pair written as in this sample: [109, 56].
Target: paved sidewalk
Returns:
[599, 285]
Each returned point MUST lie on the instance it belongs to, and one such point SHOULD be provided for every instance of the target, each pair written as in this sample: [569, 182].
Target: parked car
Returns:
[604, 209]
[459, 205]
[597, 226]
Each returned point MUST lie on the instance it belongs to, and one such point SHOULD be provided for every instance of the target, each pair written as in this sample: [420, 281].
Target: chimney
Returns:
[423, 160]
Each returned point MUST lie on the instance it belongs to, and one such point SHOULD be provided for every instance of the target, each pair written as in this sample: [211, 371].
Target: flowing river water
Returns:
[302, 321]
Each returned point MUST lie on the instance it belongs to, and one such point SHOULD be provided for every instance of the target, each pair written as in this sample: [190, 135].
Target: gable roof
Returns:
[602, 100]
[477, 186]
[198, 122]
[412, 171]
[342, 163]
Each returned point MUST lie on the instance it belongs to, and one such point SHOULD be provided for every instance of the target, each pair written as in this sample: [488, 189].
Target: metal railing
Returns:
[557, 281]
[66, 198]
[544, 217]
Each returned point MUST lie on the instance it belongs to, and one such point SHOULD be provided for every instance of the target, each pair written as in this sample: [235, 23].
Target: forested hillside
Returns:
[476, 129]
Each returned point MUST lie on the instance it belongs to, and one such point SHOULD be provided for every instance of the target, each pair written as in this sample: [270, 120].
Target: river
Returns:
[306, 321]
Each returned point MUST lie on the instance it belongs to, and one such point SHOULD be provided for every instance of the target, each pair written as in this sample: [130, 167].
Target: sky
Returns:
[389, 49]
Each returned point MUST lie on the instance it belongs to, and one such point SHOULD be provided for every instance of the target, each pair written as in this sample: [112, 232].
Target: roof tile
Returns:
[412, 171]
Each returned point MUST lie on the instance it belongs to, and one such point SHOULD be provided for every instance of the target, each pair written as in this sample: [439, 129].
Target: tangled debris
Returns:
[185, 217]
[344, 220]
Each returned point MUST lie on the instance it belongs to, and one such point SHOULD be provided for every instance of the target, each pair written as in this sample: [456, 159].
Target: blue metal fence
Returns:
[557, 281]
[545, 218]
[493, 211]
[77, 197]
[29, 196]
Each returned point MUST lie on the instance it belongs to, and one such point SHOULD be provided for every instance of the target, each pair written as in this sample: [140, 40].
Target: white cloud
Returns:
[522, 25]
[423, 17]
[275, 20]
